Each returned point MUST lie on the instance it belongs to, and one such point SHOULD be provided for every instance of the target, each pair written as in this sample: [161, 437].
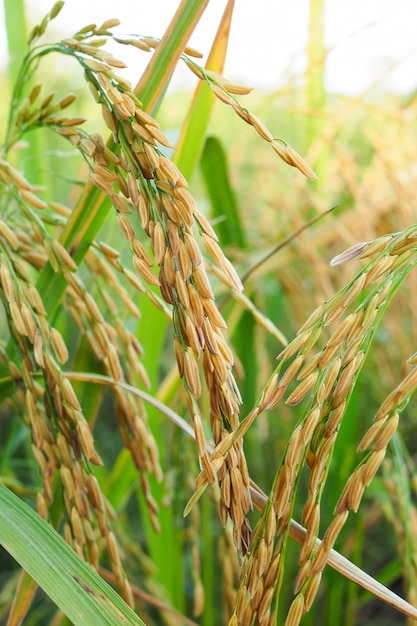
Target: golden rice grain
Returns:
[302, 390]
[41, 506]
[143, 211]
[265, 606]
[205, 225]
[256, 597]
[184, 261]
[193, 339]
[221, 371]
[402, 260]
[259, 126]
[86, 440]
[64, 450]
[182, 290]
[172, 210]
[59, 346]
[159, 243]
[94, 493]
[356, 288]
[65, 132]
[302, 576]
[311, 591]
[140, 250]
[269, 391]
[69, 394]
[263, 555]
[113, 550]
[295, 448]
[191, 374]
[199, 434]
[213, 312]
[370, 436]
[334, 419]
[169, 170]
[201, 282]
[388, 431]
[17, 177]
[281, 499]
[372, 466]
[7, 233]
[193, 249]
[294, 346]
[407, 385]
[144, 134]
[345, 501]
[114, 362]
[7, 282]
[220, 93]
[344, 329]
[67, 534]
[126, 227]
[270, 578]
[64, 255]
[67, 480]
[346, 379]
[93, 308]
[333, 532]
[156, 133]
[383, 266]
[17, 318]
[170, 268]
[311, 534]
[173, 237]
[77, 527]
[29, 321]
[196, 304]
[296, 611]
[146, 273]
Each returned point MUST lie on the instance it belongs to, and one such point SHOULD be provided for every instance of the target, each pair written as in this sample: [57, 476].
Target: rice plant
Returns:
[142, 406]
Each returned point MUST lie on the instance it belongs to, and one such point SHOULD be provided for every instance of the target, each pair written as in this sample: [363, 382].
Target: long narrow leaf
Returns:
[190, 142]
[74, 586]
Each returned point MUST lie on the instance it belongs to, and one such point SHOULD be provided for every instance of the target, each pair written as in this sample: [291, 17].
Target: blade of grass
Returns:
[73, 585]
[152, 330]
[15, 19]
[190, 142]
[222, 197]
[16, 32]
[316, 92]
[23, 598]
[159, 69]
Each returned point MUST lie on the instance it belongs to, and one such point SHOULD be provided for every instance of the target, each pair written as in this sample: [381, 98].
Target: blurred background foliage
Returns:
[364, 150]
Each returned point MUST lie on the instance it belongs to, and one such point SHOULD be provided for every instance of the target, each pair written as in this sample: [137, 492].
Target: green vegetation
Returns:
[158, 465]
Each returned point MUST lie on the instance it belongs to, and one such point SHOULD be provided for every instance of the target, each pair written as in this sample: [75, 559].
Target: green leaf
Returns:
[223, 201]
[190, 143]
[74, 586]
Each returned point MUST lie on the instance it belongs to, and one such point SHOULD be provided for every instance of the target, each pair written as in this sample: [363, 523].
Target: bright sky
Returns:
[269, 36]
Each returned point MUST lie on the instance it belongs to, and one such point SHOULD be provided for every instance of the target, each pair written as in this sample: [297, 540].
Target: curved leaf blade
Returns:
[74, 586]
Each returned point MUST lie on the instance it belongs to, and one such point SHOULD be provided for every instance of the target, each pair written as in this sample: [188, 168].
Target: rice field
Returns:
[207, 345]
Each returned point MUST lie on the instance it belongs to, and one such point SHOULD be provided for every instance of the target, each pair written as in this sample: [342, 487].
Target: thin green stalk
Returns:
[166, 56]
[16, 32]
[316, 92]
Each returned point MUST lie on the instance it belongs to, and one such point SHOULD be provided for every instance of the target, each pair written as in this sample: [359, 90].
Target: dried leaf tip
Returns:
[349, 254]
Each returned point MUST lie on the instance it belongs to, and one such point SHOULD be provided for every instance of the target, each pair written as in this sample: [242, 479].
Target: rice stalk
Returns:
[328, 383]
